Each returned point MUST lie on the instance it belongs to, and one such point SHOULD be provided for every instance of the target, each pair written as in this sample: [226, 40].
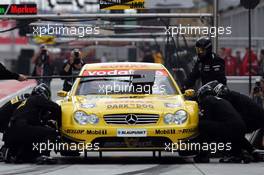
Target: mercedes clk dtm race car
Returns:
[127, 106]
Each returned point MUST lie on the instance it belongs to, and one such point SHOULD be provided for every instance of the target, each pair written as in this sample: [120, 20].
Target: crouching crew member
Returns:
[251, 113]
[220, 123]
[27, 126]
[6, 112]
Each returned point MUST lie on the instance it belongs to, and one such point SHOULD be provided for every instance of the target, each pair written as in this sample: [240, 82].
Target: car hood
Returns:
[128, 104]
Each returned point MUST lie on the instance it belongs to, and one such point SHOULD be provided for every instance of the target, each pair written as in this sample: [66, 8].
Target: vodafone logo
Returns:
[118, 72]
[107, 72]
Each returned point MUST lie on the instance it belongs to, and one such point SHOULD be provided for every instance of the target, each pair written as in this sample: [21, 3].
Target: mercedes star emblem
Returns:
[131, 119]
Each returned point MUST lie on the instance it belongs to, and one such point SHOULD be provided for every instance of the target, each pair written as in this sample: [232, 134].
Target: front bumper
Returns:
[117, 138]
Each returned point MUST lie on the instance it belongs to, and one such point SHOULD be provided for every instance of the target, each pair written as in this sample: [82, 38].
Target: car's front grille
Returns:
[131, 119]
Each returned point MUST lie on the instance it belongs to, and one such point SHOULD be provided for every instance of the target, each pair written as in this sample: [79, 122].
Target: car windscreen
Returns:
[135, 82]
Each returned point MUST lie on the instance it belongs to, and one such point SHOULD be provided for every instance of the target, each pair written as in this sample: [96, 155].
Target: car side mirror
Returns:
[189, 93]
[62, 93]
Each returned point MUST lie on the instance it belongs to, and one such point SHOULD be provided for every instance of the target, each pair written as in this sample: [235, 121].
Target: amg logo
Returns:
[97, 132]
[165, 131]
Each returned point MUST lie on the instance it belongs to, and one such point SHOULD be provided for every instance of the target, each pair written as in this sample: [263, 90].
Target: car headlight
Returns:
[178, 118]
[169, 118]
[82, 118]
[181, 117]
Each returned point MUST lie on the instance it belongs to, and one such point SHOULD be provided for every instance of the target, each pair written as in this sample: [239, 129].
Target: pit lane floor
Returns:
[129, 163]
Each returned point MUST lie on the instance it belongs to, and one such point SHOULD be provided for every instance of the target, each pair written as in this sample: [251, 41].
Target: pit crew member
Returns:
[250, 111]
[220, 123]
[6, 111]
[28, 126]
[208, 66]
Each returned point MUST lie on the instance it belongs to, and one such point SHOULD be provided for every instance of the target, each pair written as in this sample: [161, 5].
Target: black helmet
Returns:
[23, 96]
[43, 90]
[203, 47]
[212, 84]
[204, 91]
[221, 90]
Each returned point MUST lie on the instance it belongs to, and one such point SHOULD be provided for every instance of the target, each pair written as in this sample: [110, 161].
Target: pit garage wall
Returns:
[241, 83]
[237, 18]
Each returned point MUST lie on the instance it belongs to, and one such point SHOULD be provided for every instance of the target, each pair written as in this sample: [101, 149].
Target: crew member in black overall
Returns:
[208, 67]
[72, 67]
[249, 110]
[28, 126]
[6, 112]
[220, 122]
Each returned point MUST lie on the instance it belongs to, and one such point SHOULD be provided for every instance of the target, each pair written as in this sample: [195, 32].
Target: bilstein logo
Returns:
[121, 4]
[97, 132]
[18, 9]
[165, 131]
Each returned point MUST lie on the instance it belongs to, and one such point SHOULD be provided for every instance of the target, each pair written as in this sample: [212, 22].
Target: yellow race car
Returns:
[127, 106]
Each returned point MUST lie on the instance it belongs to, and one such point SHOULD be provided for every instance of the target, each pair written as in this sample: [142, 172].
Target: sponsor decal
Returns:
[165, 131]
[18, 9]
[107, 72]
[160, 72]
[14, 100]
[172, 105]
[131, 133]
[74, 131]
[121, 4]
[87, 105]
[190, 130]
[130, 106]
[96, 132]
